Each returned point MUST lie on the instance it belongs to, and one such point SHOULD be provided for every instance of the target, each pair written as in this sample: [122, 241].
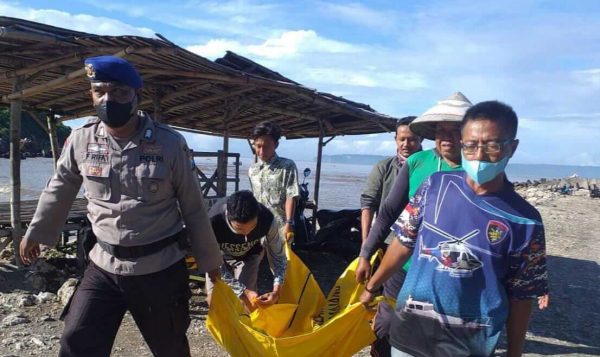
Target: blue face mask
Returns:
[483, 171]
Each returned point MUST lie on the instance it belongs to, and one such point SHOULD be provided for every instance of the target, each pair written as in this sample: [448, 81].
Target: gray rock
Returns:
[14, 319]
[8, 341]
[581, 192]
[45, 296]
[7, 253]
[36, 341]
[37, 281]
[18, 334]
[26, 300]
[46, 318]
[66, 290]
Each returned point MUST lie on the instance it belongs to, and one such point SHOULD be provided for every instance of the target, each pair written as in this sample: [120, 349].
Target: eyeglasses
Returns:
[491, 147]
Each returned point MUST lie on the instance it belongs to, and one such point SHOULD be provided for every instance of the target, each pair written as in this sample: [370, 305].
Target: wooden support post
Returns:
[222, 165]
[15, 171]
[317, 179]
[53, 138]
[233, 108]
[252, 149]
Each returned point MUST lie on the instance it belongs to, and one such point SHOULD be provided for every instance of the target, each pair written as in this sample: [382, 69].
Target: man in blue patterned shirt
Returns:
[478, 251]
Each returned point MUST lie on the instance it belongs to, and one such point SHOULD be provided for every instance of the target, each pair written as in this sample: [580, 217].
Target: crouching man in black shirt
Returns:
[245, 229]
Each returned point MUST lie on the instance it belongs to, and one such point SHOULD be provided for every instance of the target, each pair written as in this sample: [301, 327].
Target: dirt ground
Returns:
[570, 327]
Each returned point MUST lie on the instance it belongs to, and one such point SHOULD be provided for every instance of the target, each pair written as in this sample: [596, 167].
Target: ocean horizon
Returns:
[341, 183]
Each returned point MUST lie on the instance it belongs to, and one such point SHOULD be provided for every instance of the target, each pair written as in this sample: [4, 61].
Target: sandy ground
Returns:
[570, 327]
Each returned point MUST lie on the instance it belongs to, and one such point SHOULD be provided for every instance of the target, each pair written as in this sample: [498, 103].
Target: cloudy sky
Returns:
[400, 57]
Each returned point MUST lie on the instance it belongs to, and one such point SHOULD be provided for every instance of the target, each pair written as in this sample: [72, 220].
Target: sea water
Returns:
[340, 187]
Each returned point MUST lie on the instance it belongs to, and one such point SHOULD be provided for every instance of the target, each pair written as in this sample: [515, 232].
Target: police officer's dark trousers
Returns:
[158, 303]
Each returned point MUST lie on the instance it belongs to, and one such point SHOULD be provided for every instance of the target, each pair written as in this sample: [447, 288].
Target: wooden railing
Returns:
[215, 178]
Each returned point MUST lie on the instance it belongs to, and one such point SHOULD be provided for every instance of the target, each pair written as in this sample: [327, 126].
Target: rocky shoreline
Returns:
[31, 299]
[544, 190]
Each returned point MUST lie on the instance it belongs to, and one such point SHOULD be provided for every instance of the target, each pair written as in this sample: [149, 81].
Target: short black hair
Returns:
[405, 121]
[267, 128]
[495, 111]
[242, 206]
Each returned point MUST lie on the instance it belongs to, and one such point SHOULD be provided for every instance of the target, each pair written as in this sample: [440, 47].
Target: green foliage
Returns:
[31, 130]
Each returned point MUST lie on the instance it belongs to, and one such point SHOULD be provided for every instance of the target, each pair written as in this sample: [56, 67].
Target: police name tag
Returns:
[94, 171]
[96, 148]
[97, 152]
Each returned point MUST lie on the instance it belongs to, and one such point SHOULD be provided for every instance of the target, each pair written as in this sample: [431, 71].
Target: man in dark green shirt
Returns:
[382, 176]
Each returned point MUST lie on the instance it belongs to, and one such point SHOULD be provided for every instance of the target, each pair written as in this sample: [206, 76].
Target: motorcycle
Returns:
[338, 233]
[304, 235]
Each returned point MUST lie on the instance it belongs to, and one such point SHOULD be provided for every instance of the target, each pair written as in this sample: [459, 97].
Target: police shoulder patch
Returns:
[496, 231]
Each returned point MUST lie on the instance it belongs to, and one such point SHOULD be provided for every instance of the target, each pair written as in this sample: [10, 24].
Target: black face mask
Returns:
[114, 114]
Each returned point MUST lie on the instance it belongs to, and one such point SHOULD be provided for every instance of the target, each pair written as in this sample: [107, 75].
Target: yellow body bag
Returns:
[302, 323]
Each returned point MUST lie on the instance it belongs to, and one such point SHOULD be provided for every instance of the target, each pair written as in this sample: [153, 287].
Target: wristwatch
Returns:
[290, 222]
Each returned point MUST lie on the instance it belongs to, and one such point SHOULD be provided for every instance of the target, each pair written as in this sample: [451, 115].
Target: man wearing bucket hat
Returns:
[140, 188]
[440, 123]
[478, 250]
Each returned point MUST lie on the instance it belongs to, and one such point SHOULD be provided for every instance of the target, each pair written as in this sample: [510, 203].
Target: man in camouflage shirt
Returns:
[274, 179]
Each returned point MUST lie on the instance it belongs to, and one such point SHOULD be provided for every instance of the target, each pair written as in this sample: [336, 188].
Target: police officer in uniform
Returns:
[140, 188]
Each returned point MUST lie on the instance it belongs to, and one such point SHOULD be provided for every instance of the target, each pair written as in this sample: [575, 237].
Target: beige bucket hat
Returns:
[451, 109]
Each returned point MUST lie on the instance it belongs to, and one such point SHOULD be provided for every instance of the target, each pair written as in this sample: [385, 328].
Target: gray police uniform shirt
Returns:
[138, 194]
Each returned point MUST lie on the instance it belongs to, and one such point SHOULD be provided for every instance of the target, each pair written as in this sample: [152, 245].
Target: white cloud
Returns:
[294, 43]
[77, 22]
[360, 14]
[280, 47]
[236, 18]
[367, 78]
[301, 55]
[216, 48]
[588, 76]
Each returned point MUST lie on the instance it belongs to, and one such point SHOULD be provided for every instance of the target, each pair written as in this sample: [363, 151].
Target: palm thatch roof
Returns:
[42, 66]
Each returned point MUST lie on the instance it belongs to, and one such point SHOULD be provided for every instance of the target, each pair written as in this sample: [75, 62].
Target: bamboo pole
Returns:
[53, 137]
[36, 118]
[232, 110]
[209, 99]
[43, 66]
[58, 82]
[93, 48]
[83, 108]
[223, 155]
[37, 35]
[290, 88]
[317, 179]
[15, 172]
[65, 98]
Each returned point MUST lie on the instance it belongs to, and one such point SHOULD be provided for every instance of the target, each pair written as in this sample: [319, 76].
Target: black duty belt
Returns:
[137, 251]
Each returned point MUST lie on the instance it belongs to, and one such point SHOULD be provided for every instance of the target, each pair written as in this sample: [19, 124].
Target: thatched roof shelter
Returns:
[41, 71]
[184, 90]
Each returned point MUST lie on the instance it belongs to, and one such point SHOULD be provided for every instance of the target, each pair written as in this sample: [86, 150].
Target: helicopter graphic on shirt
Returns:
[455, 255]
